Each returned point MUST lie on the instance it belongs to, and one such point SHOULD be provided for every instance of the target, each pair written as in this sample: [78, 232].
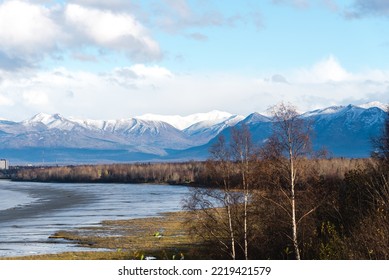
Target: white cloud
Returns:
[35, 98]
[31, 32]
[327, 83]
[139, 89]
[326, 70]
[139, 76]
[26, 31]
[330, 70]
[5, 101]
[155, 71]
[113, 30]
[114, 94]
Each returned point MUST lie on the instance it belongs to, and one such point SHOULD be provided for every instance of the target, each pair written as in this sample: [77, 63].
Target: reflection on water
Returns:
[31, 212]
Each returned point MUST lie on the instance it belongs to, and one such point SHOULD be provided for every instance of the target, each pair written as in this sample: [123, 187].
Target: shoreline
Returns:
[163, 237]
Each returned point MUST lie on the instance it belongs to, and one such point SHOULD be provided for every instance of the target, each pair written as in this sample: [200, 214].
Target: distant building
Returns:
[4, 164]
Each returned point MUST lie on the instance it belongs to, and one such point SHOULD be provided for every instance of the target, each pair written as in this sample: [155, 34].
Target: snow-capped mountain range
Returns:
[181, 123]
[343, 130]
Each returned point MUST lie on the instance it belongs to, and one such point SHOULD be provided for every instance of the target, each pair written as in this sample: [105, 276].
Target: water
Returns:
[9, 199]
[31, 212]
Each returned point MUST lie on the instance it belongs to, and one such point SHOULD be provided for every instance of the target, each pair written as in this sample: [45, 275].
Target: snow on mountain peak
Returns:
[256, 117]
[374, 104]
[325, 111]
[51, 121]
[89, 123]
[182, 123]
[43, 118]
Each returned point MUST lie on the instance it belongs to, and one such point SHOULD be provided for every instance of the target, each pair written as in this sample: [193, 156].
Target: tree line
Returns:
[196, 173]
[156, 173]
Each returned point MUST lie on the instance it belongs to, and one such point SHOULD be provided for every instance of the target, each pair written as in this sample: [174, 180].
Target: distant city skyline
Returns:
[115, 59]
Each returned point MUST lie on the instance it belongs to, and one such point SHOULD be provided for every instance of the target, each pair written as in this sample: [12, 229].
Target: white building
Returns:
[4, 165]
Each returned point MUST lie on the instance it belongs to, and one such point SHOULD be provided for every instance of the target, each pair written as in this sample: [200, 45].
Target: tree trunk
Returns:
[232, 236]
[246, 195]
[245, 224]
[293, 204]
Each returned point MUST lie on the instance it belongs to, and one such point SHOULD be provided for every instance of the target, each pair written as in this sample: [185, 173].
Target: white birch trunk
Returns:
[293, 204]
[232, 236]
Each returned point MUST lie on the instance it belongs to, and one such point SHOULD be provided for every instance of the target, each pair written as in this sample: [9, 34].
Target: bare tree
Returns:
[216, 209]
[212, 219]
[289, 143]
[221, 163]
[243, 153]
[224, 211]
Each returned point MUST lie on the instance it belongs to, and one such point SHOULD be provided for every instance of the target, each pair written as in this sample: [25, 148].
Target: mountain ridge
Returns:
[344, 130]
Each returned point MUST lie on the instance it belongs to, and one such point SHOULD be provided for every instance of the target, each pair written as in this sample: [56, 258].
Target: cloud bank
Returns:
[138, 89]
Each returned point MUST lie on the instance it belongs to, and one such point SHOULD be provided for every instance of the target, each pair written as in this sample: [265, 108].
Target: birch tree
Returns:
[221, 162]
[224, 209]
[243, 153]
[290, 142]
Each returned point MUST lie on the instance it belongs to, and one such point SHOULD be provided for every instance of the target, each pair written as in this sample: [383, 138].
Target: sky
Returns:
[116, 59]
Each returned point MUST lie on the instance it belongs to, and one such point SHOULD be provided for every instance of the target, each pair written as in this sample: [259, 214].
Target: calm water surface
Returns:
[31, 212]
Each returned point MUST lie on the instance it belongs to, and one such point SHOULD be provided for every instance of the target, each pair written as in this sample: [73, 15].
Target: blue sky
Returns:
[120, 58]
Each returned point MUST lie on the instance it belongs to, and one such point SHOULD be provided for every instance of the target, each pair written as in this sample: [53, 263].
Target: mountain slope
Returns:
[344, 131]
[349, 131]
[204, 131]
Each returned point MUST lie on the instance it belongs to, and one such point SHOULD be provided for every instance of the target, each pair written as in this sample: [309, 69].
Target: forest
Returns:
[277, 200]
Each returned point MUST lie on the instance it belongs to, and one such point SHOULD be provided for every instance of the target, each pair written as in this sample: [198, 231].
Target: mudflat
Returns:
[47, 200]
